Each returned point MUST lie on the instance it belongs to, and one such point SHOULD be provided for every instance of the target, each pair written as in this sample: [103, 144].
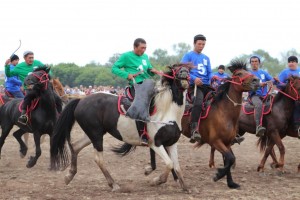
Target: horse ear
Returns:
[230, 69]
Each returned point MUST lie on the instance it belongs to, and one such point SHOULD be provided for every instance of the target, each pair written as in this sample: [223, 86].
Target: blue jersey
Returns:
[12, 84]
[263, 77]
[286, 73]
[202, 64]
[221, 76]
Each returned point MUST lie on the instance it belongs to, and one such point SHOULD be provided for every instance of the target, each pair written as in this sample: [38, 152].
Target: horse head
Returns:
[177, 74]
[59, 89]
[242, 79]
[293, 88]
[38, 79]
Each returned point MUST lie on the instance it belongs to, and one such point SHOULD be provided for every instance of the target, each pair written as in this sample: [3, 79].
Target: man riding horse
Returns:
[22, 70]
[257, 96]
[136, 69]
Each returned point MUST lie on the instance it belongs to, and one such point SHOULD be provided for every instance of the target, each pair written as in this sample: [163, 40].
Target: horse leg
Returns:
[100, 162]
[229, 159]
[169, 163]
[75, 148]
[177, 171]
[150, 168]
[277, 140]
[23, 147]
[274, 164]
[268, 151]
[299, 168]
[212, 158]
[5, 132]
[33, 159]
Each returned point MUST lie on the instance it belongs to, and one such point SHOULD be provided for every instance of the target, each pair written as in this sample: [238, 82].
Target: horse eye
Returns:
[239, 74]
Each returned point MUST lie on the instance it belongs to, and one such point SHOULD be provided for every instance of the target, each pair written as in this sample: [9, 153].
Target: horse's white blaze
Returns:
[128, 130]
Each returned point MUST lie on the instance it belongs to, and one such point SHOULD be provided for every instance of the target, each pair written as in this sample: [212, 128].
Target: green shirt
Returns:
[130, 63]
[22, 69]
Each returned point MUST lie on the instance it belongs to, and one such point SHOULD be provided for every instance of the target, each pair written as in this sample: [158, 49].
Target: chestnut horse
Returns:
[279, 123]
[219, 128]
[98, 113]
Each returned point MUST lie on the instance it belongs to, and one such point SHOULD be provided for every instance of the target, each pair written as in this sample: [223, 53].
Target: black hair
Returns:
[138, 41]
[199, 37]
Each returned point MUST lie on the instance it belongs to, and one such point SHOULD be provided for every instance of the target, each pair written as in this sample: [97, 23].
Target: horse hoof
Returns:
[148, 170]
[68, 179]
[260, 169]
[212, 166]
[156, 181]
[116, 188]
[274, 165]
[233, 185]
[31, 162]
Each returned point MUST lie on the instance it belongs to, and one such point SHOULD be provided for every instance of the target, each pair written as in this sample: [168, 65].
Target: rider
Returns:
[200, 77]
[217, 77]
[22, 70]
[13, 84]
[257, 96]
[293, 69]
[132, 63]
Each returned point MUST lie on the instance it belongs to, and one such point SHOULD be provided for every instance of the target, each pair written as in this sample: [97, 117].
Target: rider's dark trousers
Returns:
[296, 114]
[257, 102]
[198, 101]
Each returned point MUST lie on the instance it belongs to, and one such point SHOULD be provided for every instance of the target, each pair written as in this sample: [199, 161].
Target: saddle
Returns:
[206, 105]
[140, 106]
[248, 107]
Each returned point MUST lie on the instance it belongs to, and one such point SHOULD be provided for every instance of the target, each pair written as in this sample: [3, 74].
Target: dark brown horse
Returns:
[279, 123]
[219, 128]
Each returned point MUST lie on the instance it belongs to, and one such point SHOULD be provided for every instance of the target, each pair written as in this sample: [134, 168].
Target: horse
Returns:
[98, 113]
[59, 90]
[278, 123]
[219, 127]
[42, 114]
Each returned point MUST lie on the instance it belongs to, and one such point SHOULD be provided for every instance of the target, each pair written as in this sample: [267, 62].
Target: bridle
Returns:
[241, 80]
[42, 79]
[292, 88]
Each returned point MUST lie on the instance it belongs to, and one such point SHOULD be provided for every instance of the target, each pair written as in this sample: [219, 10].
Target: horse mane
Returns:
[222, 90]
[235, 64]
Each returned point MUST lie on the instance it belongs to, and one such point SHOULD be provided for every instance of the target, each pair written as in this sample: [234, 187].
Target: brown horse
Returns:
[279, 123]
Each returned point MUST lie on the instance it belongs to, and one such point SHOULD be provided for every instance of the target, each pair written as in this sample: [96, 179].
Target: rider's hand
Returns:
[7, 62]
[276, 79]
[214, 77]
[155, 71]
[130, 77]
[198, 81]
[263, 84]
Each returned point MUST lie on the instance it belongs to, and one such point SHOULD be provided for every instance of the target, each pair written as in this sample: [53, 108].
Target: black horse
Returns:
[42, 114]
[98, 114]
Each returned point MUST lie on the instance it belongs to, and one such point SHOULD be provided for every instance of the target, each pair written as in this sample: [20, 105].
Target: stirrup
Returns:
[23, 119]
[260, 131]
[195, 137]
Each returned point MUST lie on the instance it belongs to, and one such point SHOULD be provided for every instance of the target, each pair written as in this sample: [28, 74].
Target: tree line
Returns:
[100, 74]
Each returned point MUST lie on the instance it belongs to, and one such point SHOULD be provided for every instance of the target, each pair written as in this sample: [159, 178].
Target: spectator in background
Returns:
[218, 77]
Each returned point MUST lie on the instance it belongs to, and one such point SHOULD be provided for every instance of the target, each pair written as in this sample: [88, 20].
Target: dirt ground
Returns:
[18, 182]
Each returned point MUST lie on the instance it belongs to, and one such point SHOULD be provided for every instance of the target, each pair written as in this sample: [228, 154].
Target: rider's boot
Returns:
[195, 135]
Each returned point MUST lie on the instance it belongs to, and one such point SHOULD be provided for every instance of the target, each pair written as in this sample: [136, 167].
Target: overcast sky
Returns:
[82, 31]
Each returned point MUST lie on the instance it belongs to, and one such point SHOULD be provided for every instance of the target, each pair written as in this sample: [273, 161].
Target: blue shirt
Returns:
[264, 77]
[12, 84]
[286, 73]
[202, 64]
[221, 76]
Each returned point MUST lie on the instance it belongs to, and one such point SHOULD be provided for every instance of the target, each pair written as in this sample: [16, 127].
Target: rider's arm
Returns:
[117, 68]
[10, 73]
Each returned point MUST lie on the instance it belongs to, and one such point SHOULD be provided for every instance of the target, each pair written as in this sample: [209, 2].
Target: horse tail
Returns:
[58, 153]
[124, 149]
[262, 143]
